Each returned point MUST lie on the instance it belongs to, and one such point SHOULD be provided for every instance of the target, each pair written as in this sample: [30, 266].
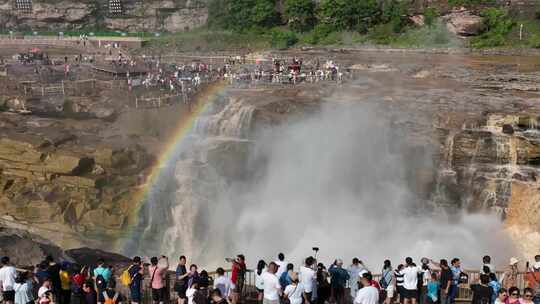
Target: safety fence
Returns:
[249, 292]
[42, 41]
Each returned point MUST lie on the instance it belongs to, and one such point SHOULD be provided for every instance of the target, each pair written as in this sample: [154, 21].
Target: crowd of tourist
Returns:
[276, 282]
[182, 77]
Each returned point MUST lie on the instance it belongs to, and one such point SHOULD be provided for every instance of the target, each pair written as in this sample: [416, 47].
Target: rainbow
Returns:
[172, 148]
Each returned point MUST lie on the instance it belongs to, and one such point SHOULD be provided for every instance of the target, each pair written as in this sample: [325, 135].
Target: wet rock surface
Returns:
[27, 250]
[473, 118]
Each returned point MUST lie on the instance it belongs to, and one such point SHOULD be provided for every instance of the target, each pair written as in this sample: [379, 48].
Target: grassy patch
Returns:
[209, 40]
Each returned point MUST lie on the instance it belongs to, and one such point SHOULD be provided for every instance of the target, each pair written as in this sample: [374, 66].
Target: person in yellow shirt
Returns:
[65, 280]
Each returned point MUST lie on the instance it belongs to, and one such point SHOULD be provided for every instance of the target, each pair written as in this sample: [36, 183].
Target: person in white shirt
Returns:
[222, 283]
[410, 281]
[295, 291]
[282, 265]
[44, 292]
[8, 274]
[368, 294]
[354, 272]
[24, 288]
[307, 276]
[272, 288]
[259, 284]
[190, 292]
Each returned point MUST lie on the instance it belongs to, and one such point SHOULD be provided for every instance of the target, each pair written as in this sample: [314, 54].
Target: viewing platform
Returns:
[68, 41]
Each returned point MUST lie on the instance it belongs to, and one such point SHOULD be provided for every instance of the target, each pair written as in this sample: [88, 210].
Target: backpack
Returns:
[420, 281]
[110, 300]
[463, 278]
[382, 282]
[100, 282]
[125, 277]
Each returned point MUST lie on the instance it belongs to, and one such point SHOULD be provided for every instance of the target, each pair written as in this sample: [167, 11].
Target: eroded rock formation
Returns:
[177, 15]
[64, 188]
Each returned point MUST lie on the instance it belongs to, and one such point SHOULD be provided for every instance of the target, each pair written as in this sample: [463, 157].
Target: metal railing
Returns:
[249, 292]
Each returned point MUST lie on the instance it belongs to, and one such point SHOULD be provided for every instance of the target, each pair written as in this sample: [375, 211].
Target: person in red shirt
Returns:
[238, 276]
[78, 280]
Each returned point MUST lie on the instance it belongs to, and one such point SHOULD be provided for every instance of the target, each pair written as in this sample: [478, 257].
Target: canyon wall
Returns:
[134, 15]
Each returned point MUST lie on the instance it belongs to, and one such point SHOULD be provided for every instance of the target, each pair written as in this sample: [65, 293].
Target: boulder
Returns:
[22, 148]
[463, 23]
[417, 20]
[103, 113]
[13, 104]
[66, 163]
[79, 181]
[90, 256]
[26, 249]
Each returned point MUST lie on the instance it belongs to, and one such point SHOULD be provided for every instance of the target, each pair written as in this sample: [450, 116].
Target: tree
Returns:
[347, 14]
[242, 14]
[430, 15]
[218, 16]
[394, 13]
[300, 14]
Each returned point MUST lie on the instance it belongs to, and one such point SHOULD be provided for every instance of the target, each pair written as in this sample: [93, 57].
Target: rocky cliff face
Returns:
[170, 15]
[62, 186]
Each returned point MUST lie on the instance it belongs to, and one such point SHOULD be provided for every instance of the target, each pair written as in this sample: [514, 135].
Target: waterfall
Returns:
[199, 191]
[233, 121]
[181, 210]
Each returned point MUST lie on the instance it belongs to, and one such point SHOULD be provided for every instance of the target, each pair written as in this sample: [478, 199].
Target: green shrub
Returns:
[455, 3]
[347, 14]
[382, 34]
[394, 13]
[318, 34]
[430, 15]
[534, 41]
[282, 39]
[300, 14]
[242, 15]
[497, 25]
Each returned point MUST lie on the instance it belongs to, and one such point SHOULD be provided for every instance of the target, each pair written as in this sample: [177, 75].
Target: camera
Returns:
[315, 249]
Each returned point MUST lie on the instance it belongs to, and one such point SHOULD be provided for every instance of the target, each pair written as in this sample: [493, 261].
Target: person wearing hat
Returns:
[532, 279]
[509, 277]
